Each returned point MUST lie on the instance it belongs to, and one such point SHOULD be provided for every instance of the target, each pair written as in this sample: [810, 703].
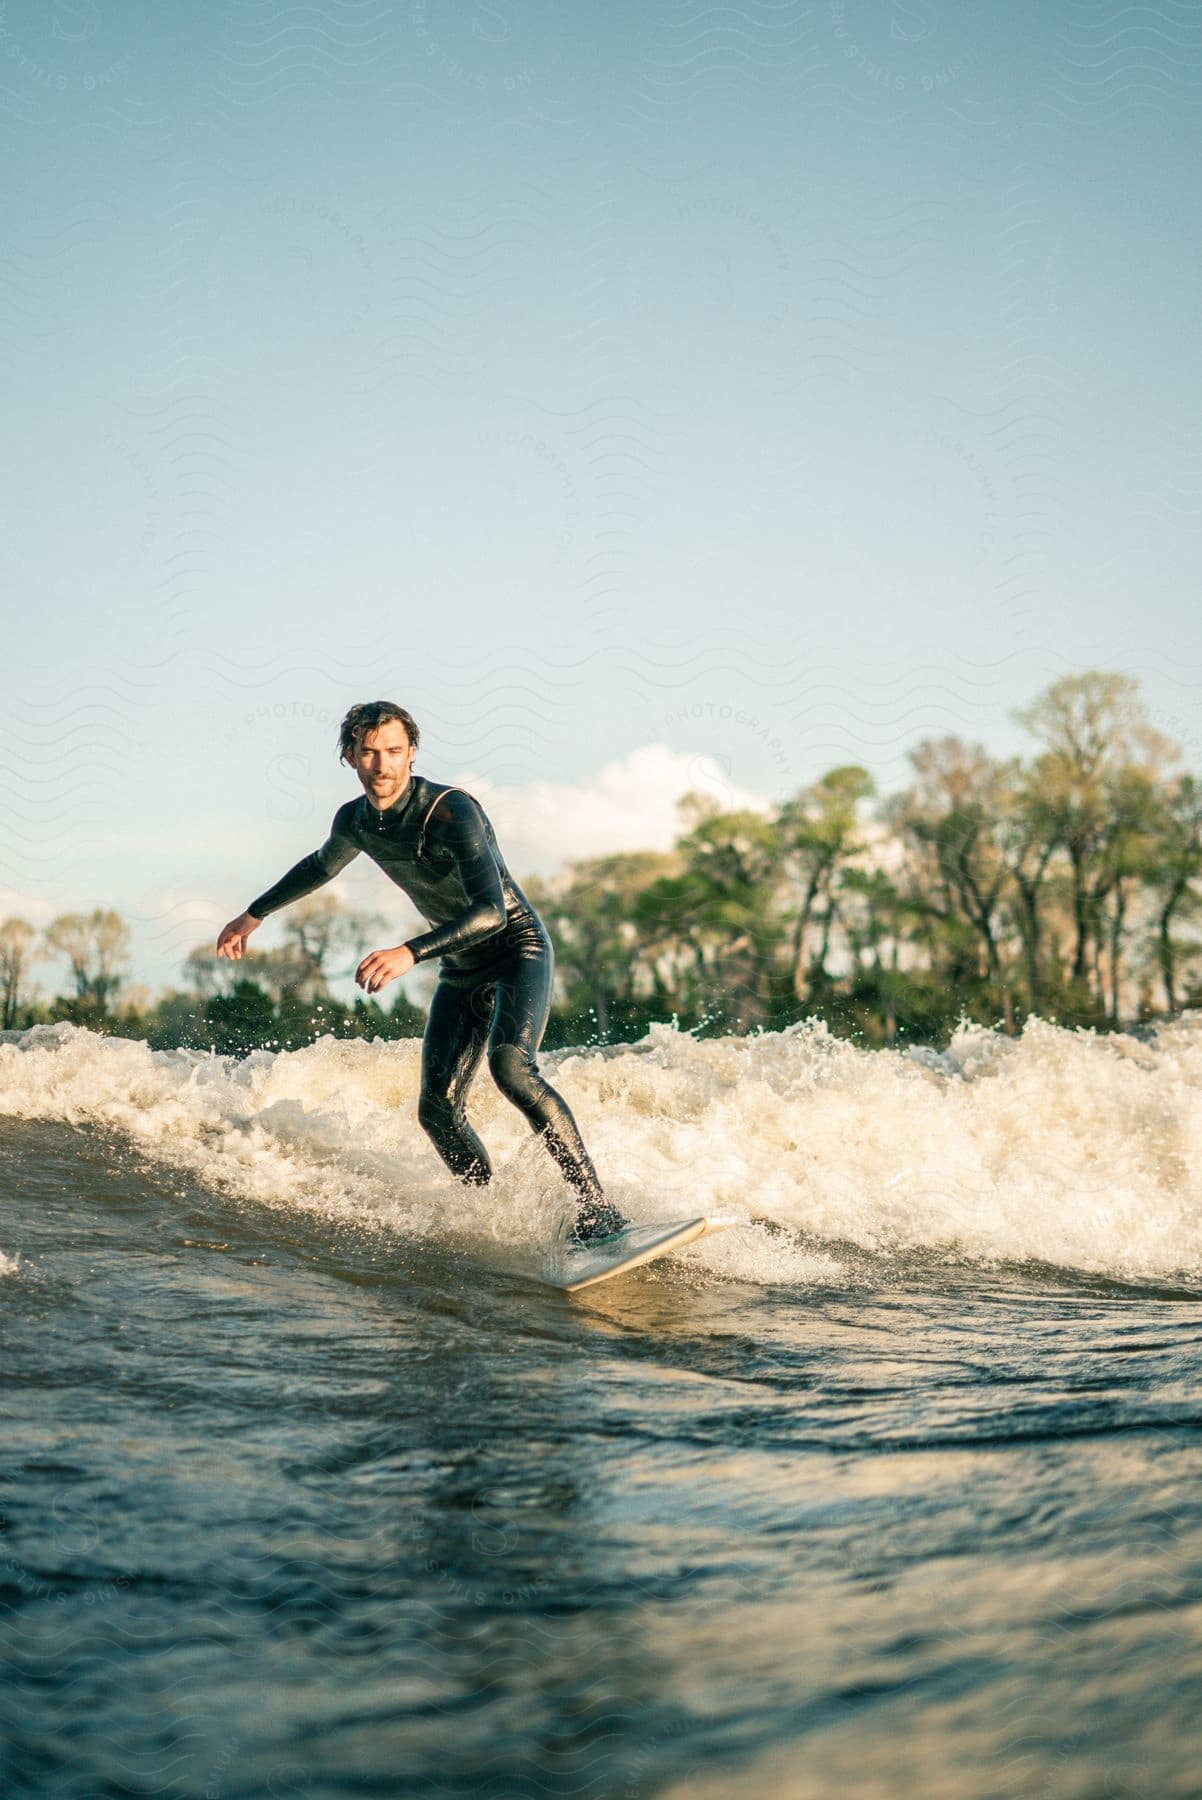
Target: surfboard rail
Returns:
[584, 1265]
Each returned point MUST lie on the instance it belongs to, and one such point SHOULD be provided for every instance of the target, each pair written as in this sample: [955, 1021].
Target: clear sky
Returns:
[648, 397]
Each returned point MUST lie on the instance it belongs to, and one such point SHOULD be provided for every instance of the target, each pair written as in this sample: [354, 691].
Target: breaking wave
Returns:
[1064, 1147]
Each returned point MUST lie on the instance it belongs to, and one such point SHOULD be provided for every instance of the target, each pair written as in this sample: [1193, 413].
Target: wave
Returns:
[1060, 1147]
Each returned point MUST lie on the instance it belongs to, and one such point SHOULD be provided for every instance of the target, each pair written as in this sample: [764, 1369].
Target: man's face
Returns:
[383, 759]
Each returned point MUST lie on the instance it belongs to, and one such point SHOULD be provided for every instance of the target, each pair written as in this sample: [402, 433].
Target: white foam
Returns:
[1080, 1150]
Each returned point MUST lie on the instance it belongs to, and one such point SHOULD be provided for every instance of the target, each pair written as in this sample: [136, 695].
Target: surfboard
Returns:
[583, 1265]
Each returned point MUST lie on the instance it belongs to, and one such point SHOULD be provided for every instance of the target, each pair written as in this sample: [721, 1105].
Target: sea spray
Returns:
[1063, 1146]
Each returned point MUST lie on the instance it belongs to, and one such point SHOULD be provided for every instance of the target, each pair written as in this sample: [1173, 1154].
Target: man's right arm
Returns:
[311, 872]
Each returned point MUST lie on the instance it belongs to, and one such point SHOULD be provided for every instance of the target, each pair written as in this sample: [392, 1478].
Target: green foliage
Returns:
[249, 1019]
[240, 1021]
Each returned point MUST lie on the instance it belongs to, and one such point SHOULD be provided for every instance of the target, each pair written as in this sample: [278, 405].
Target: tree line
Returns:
[1064, 883]
[277, 999]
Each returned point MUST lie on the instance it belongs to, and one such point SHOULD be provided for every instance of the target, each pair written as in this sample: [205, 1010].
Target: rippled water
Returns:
[311, 1487]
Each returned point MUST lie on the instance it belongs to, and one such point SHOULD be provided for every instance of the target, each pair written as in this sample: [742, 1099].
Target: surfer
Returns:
[494, 988]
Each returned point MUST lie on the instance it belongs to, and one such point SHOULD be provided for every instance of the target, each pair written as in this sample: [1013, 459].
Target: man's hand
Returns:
[383, 966]
[232, 942]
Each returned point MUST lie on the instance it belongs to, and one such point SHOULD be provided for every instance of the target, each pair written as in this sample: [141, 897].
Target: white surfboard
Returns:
[582, 1265]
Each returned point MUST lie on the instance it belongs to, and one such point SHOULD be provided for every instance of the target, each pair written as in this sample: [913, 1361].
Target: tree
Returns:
[1095, 731]
[17, 950]
[950, 819]
[731, 867]
[1174, 864]
[1130, 854]
[242, 1020]
[175, 1019]
[1028, 836]
[819, 834]
[285, 971]
[322, 928]
[592, 917]
[95, 945]
[208, 973]
[316, 931]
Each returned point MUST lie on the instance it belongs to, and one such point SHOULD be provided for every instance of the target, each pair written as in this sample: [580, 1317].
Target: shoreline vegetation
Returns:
[1065, 884]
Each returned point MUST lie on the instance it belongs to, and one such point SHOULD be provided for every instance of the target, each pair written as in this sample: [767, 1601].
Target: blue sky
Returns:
[645, 397]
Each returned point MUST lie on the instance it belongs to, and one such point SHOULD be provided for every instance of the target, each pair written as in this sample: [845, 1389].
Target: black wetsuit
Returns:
[494, 986]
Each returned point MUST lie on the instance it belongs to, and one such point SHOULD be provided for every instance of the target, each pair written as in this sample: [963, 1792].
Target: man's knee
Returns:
[434, 1110]
[516, 1074]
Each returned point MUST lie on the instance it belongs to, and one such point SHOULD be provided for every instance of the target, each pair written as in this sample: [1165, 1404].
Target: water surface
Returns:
[311, 1487]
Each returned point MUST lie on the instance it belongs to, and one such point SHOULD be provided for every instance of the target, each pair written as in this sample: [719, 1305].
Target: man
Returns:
[494, 987]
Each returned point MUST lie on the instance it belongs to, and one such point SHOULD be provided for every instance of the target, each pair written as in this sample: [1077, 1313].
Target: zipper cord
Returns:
[421, 836]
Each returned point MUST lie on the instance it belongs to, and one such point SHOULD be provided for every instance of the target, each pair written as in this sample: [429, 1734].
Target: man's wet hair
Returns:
[366, 717]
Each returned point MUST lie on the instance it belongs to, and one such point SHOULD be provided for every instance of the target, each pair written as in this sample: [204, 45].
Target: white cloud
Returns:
[629, 805]
[15, 905]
